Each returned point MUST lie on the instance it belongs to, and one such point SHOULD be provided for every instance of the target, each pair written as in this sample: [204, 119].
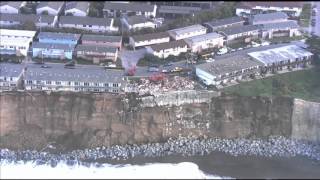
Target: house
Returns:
[15, 42]
[149, 39]
[137, 22]
[186, 32]
[163, 50]
[224, 23]
[194, 4]
[286, 28]
[245, 33]
[96, 53]
[99, 40]
[176, 11]
[56, 77]
[205, 41]
[248, 8]
[53, 8]
[91, 24]
[281, 58]
[10, 7]
[9, 20]
[77, 8]
[115, 9]
[228, 69]
[268, 18]
[49, 50]
[58, 38]
[11, 76]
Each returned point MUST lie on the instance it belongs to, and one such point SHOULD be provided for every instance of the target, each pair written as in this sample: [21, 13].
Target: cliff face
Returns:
[73, 120]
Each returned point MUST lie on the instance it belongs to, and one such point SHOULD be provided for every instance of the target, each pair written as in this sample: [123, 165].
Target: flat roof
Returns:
[252, 4]
[15, 41]
[20, 33]
[85, 20]
[10, 69]
[275, 55]
[168, 45]
[178, 9]
[226, 21]
[93, 37]
[228, 65]
[94, 48]
[203, 37]
[57, 72]
[281, 25]
[241, 29]
[187, 29]
[69, 47]
[14, 4]
[128, 6]
[150, 36]
[270, 16]
[58, 35]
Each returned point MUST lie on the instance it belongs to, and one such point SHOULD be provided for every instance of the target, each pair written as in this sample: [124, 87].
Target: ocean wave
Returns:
[26, 170]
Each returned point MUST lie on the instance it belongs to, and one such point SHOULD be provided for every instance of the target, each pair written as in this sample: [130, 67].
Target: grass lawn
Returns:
[305, 15]
[286, 39]
[304, 84]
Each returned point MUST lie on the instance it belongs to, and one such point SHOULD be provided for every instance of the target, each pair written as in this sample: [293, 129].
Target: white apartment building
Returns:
[235, 33]
[186, 32]
[149, 39]
[268, 18]
[77, 8]
[138, 22]
[10, 7]
[52, 7]
[205, 41]
[164, 50]
[11, 76]
[287, 28]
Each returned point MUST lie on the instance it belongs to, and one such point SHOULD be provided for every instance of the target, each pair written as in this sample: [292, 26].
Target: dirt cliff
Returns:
[79, 120]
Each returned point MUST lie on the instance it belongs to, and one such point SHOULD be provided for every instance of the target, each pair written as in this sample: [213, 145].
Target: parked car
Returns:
[153, 69]
[168, 64]
[164, 70]
[177, 69]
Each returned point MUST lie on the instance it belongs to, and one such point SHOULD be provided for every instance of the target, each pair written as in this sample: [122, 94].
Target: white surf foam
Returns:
[184, 170]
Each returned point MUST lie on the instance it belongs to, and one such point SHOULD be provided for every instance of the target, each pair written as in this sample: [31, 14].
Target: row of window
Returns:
[75, 83]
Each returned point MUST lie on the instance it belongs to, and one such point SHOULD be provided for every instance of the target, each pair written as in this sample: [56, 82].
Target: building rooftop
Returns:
[226, 21]
[85, 20]
[22, 18]
[200, 38]
[150, 36]
[57, 72]
[178, 9]
[252, 4]
[168, 45]
[242, 29]
[68, 47]
[187, 29]
[56, 35]
[137, 19]
[92, 37]
[228, 65]
[274, 55]
[14, 4]
[281, 25]
[128, 6]
[56, 5]
[20, 33]
[81, 5]
[14, 41]
[93, 48]
[269, 16]
[10, 69]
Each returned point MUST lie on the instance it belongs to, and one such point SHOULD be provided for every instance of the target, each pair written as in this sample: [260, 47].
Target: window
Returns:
[106, 85]
[38, 82]
[48, 82]
[76, 83]
[115, 85]
[86, 84]
[5, 79]
[69, 83]
[58, 82]
[96, 84]
[84, 25]
[29, 82]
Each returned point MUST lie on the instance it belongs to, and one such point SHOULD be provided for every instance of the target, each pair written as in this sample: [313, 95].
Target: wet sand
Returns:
[221, 164]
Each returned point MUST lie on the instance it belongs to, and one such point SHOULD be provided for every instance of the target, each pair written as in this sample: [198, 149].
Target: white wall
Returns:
[9, 10]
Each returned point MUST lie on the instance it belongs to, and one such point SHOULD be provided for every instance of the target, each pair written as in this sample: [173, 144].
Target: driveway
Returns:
[131, 58]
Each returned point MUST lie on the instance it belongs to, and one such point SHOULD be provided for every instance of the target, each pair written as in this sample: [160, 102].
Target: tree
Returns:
[45, 13]
[29, 25]
[314, 46]
[69, 14]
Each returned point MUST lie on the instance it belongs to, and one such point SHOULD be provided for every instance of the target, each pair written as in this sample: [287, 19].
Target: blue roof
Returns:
[64, 36]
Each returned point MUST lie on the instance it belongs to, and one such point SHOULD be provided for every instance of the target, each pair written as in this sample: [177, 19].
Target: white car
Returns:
[265, 43]
[210, 60]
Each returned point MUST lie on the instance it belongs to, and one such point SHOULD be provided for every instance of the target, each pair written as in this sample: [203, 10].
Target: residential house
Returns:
[56, 77]
[52, 7]
[149, 39]
[248, 8]
[228, 69]
[268, 18]
[137, 22]
[205, 41]
[99, 40]
[116, 9]
[287, 28]
[77, 8]
[186, 32]
[11, 76]
[282, 58]
[10, 7]
[219, 24]
[91, 24]
[58, 38]
[176, 11]
[9, 20]
[96, 53]
[56, 51]
[15, 42]
[243, 33]
[163, 50]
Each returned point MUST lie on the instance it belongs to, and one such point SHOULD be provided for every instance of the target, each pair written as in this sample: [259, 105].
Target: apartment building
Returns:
[100, 40]
[288, 28]
[96, 54]
[149, 39]
[52, 7]
[137, 22]
[164, 50]
[77, 8]
[12, 20]
[188, 31]
[56, 51]
[10, 7]
[115, 9]
[219, 24]
[11, 76]
[243, 33]
[58, 38]
[268, 18]
[205, 41]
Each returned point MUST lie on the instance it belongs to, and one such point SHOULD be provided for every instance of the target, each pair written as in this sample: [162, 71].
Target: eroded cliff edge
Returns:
[79, 120]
